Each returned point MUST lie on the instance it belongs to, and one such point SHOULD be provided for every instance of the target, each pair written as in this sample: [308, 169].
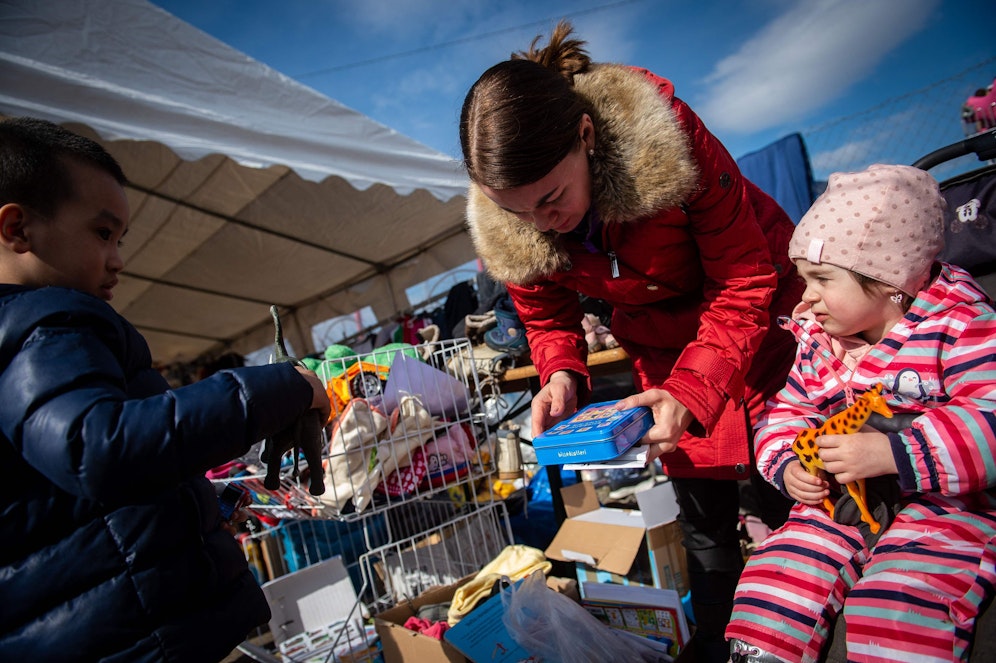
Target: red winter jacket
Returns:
[694, 244]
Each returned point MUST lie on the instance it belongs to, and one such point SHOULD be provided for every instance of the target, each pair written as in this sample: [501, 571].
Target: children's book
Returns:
[647, 611]
[481, 636]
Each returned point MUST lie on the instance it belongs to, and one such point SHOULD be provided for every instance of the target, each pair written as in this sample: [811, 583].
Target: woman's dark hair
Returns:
[520, 118]
[33, 158]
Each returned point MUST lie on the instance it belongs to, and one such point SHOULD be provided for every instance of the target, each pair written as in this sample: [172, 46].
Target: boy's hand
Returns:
[802, 486]
[671, 419]
[857, 456]
[319, 398]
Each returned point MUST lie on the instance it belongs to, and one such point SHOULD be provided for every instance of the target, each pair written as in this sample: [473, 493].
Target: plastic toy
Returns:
[304, 434]
[845, 423]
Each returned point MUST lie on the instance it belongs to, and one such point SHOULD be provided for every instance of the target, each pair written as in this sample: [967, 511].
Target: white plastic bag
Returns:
[550, 625]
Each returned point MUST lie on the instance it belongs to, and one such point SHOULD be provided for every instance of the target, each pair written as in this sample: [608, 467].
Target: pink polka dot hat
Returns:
[886, 222]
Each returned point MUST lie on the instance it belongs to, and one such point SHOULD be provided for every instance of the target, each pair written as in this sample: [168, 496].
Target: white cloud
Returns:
[874, 137]
[609, 36]
[848, 157]
[805, 58]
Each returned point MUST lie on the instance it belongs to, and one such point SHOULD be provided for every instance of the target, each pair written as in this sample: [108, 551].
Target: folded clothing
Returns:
[516, 561]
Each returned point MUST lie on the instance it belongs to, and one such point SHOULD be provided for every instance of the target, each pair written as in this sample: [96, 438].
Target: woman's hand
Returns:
[556, 401]
[671, 419]
[804, 487]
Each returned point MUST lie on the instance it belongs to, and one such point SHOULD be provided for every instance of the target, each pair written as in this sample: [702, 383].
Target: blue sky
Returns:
[754, 70]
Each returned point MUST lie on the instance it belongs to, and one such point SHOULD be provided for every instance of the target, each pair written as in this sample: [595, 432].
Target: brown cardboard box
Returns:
[404, 646]
[623, 546]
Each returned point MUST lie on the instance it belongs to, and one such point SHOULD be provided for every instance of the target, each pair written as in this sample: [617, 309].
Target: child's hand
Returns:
[857, 456]
[232, 524]
[319, 398]
[803, 487]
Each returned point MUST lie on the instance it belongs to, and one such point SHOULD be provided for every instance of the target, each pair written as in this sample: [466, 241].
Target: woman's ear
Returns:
[13, 221]
[586, 131]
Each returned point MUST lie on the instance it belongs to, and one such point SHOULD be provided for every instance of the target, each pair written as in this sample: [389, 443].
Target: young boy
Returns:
[879, 310]
[113, 546]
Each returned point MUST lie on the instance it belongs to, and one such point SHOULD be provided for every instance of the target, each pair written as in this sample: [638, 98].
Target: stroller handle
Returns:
[983, 144]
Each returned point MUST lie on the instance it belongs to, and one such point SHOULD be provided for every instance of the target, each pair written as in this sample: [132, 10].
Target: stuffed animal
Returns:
[844, 423]
[596, 334]
[304, 434]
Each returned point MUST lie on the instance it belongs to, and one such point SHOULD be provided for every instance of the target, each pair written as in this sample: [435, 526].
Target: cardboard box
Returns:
[401, 645]
[623, 546]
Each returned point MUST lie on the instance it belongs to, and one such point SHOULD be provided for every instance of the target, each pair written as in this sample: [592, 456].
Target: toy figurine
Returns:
[844, 423]
[305, 434]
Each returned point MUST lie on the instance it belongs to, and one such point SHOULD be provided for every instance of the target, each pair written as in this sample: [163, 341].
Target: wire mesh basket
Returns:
[408, 501]
[435, 555]
[406, 424]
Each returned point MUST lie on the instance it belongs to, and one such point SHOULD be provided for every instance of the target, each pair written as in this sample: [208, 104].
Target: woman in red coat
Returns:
[595, 179]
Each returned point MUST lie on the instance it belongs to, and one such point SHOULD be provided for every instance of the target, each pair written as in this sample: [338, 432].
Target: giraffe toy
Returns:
[844, 423]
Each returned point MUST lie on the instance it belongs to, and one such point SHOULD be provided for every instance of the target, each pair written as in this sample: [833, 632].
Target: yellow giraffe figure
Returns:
[849, 421]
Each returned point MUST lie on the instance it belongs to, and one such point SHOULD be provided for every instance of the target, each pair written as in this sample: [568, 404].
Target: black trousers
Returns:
[709, 517]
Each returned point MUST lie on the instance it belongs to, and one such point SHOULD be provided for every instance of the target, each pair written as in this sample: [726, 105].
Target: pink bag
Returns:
[442, 460]
[406, 480]
[449, 455]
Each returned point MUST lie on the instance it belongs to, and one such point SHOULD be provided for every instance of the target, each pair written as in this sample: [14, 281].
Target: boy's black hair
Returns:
[33, 156]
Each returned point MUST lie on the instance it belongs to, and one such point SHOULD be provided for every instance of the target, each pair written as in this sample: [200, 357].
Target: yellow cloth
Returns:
[515, 561]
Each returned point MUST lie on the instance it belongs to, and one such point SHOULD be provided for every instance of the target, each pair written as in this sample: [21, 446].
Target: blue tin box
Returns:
[595, 433]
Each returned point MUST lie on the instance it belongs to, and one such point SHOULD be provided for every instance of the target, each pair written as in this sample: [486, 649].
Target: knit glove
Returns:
[883, 497]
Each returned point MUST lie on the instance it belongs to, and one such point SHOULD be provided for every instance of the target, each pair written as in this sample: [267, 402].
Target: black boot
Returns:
[713, 574]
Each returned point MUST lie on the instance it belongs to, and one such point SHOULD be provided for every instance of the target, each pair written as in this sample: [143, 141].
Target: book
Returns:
[635, 456]
[646, 611]
[482, 637]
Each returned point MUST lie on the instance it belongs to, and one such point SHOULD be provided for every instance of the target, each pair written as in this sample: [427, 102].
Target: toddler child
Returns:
[878, 309]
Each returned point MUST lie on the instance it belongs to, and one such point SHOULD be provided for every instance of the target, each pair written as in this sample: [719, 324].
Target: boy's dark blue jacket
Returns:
[111, 546]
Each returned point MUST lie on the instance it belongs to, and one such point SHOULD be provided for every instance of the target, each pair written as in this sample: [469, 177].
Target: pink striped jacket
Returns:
[938, 362]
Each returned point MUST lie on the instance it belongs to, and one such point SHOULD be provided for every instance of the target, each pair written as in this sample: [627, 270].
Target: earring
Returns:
[896, 297]
[591, 152]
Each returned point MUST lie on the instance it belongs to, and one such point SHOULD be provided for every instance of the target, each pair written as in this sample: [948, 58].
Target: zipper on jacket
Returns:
[811, 342]
[613, 264]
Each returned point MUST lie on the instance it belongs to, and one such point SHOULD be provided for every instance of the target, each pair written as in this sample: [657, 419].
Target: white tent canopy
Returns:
[247, 188]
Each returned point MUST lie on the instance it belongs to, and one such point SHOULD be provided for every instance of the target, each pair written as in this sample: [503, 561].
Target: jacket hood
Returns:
[643, 163]
[952, 287]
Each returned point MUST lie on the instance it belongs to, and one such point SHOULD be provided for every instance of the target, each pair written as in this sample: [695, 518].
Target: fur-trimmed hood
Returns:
[643, 163]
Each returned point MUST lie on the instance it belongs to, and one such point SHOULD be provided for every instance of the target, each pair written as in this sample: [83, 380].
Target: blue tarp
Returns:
[782, 170]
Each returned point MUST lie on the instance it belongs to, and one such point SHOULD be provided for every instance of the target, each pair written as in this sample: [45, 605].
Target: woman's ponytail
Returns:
[564, 56]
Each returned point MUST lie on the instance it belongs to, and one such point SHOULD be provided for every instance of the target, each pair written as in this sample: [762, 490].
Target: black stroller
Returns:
[970, 228]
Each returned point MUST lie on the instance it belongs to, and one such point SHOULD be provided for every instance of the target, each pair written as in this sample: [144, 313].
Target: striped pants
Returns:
[915, 597]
